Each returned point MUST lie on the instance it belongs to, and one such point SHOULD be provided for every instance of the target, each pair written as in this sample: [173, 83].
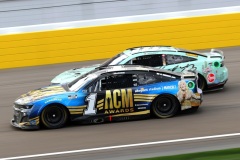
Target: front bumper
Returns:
[23, 125]
[21, 119]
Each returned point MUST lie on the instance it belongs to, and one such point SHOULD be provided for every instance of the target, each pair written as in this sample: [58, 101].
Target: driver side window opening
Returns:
[169, 59]
[113, 82]
[147, 60]
[117, 81]
[153, 77]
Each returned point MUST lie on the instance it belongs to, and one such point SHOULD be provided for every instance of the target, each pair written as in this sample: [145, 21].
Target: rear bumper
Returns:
[221, 78]
[217, 86]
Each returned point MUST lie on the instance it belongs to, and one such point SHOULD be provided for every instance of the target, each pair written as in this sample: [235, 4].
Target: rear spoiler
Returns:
[217, 51]
[189, 75]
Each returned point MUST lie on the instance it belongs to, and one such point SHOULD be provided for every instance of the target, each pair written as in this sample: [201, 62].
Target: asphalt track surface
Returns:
[219, 114]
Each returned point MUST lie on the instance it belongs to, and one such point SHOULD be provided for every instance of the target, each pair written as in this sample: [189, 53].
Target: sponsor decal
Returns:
[115, 101]
[211, 77]
[207, 70]
[191, 84]
[141, 90]
[142, 107]
[34, 121]
[84, 91]
[186, 97]
[169, 87]
[72, 96]
[54, 99]
[155, 88]
[144, 104]
[118, 101]
[217, 64]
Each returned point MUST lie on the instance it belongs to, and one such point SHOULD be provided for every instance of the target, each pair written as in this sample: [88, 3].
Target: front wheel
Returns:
[165, 106]
[54, 116]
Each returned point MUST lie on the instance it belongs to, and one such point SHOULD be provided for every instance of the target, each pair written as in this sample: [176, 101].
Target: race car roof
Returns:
[122, 68]
[140, 49]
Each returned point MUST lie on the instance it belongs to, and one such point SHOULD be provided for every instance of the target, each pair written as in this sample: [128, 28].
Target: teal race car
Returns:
[212, 73]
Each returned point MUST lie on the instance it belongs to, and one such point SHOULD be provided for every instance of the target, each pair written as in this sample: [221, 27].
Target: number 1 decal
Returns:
[91, 104]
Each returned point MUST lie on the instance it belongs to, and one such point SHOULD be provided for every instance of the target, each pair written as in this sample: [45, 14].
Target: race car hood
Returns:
[39, 94]
[72, 74]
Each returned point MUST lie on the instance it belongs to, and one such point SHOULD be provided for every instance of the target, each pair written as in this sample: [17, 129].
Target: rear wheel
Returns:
[165, 106]
[201, 82]
[54, 116]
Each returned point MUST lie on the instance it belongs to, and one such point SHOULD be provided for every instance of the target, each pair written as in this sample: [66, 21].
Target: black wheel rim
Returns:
[164, 106]
[54, 115]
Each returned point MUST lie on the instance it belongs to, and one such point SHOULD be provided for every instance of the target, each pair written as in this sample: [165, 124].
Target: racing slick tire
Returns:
[165, 106]
[201, 82]
[54, 116]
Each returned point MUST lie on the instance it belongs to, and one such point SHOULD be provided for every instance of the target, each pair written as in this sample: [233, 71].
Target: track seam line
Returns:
[122, 146]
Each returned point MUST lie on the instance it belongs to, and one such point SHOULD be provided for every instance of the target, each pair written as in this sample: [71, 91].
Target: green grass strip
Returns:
[228, 154]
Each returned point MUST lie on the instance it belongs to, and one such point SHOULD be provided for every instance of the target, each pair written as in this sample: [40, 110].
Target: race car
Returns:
[114, 93]
[212, 73]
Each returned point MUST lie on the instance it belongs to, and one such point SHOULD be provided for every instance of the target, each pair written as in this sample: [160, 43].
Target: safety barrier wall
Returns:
[91, 43]
[31, 12]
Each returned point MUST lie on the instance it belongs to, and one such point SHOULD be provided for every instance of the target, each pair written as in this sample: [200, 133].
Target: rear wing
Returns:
[216, 51]
[193, 77]
[189, 75]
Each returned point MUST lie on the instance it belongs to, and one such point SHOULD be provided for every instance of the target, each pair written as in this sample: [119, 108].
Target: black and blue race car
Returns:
[114, 93]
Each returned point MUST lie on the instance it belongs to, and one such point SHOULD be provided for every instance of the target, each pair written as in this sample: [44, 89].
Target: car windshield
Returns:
[115, 60]
[81, 81]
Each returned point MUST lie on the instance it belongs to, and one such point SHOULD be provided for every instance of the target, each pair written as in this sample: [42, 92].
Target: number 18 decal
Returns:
[91, 104]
